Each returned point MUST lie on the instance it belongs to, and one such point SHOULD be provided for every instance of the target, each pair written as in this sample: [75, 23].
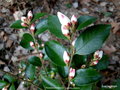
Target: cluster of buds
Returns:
[71, 73]
[66, 23]
[97, 56]
[66, 57]
[26, 20]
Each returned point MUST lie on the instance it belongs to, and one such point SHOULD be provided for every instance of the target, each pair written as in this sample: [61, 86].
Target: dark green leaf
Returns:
[37, 16]
[51, 84]
[12, 87]
[86, 76]
[102, 64]
[25, 42]
[2, 84]
[17, 25]
[84, 21]
[79, 60]
[86, 87]
[92, 39]
[41, 26]
[34, 60]
[63, 71]
[11, 79]
[118, 84]
[55, 52]
[55, 26]
[30, 71]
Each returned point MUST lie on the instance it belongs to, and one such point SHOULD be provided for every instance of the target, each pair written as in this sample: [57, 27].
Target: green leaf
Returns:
[30, 71]
[86, 76]
[92, 39]
[86, 87]
[63, 71]
[25, 42]
[17, 25]
[3, 84]
[84, 21]
[34, 60]
[12, 87]
[11, 79]
[79, 60]
[41, 26]
[55, 26]
[102, 64]
[55, 52]
[37, 16]
[51, 84]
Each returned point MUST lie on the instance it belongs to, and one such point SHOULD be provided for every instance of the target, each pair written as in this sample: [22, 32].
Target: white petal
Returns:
[74, 19]
[31, 44]
[32, 28]
[100, 54]
[64, 20]
[30, 15]
[72, 72]
[23, 19]
[65, 31]
[24, 24]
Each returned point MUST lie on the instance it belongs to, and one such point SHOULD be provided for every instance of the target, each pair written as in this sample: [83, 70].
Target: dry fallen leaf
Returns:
[109, 49]
[115, 26]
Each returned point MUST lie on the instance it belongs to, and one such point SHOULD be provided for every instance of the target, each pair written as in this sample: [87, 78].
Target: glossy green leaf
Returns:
[30, 72]
[34, 60]
[79, 60]
[3, 84]
[51, 84]
[37, 16]
[25, 42]
[63, 71]
[92, 39]
[86, 87]
[55, 52]
[17, 25]
[41, 26]
[86, 76]
[12, 87]
[84, 21]
[11, 79]
[55, 26]
[102, 64]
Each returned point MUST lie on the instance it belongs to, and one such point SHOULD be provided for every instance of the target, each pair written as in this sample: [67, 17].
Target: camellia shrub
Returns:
[74, 66]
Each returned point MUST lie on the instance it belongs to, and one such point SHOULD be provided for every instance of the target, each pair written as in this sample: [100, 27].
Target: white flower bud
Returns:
[32, 28]
[30, 15]
[41, 55]
[71, 73]
[95, 62]
[74, 19]
[31, 44]
[73, 43]
[98, 54]
[23, 19]
[64, 20]
[24, 24]
[65, 31]
[66, 57]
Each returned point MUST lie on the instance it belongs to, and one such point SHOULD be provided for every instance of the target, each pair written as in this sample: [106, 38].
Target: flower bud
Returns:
[65, 31]
[66, 57]
[30, 15]
[73, 43]
[41, 55]
[24, 25]
[98, 55]
[64, 20]
[74, 19]
[23, 19]
[95, 62]
[32, 28]
[31, 44]
[71, 73]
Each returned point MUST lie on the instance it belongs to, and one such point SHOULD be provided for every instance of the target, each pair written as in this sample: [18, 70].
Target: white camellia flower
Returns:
[66, 57]
[71, 73]
[98, 54]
